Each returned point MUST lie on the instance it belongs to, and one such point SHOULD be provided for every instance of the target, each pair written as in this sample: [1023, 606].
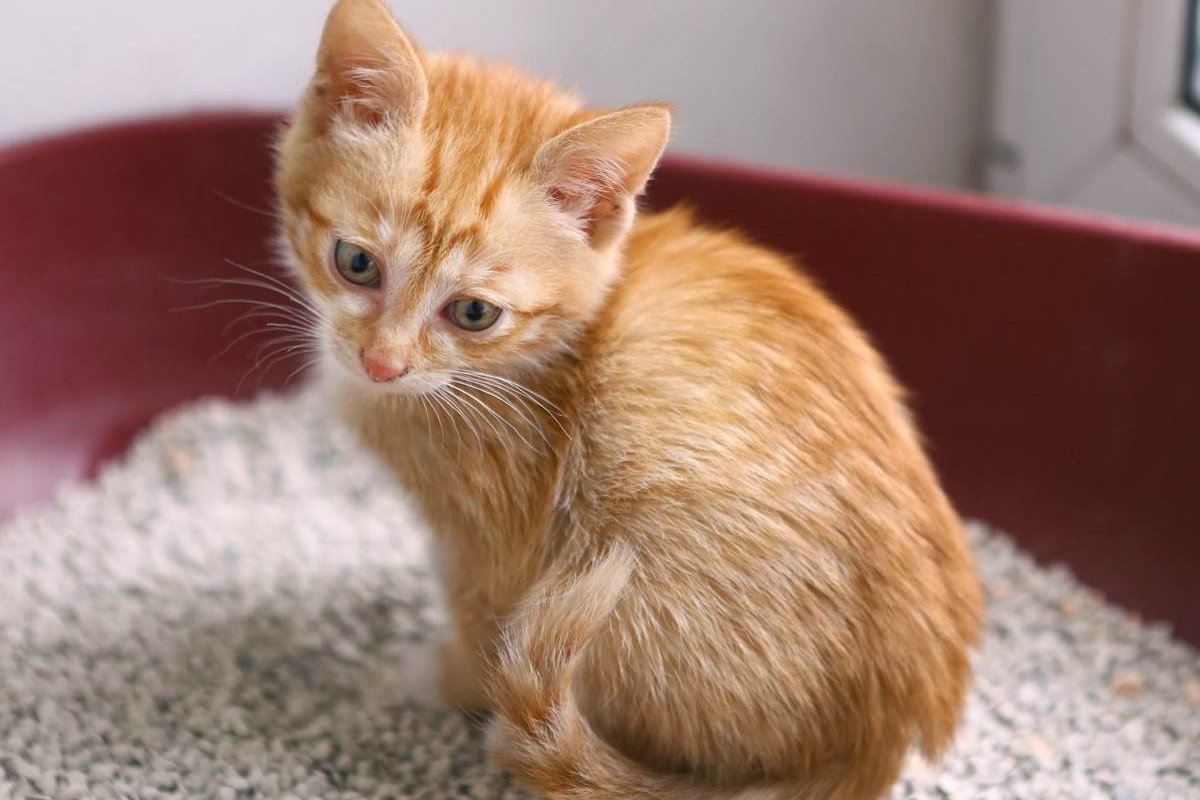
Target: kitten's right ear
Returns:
[368, 67]
[596, 169]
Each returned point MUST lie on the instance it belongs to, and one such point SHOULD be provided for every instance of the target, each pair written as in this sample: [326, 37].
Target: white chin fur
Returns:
[410, 385]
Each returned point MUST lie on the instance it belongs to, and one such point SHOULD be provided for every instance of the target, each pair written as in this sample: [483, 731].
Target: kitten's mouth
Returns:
[407, 383]
[391, 376]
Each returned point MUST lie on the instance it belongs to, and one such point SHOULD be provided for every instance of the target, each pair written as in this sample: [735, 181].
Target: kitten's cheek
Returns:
[354, 305]
[340, 360]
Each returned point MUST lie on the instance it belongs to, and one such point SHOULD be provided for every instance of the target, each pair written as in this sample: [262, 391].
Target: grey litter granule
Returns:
[242, 608]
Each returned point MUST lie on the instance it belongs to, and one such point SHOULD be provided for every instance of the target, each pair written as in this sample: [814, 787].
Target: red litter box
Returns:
[1053, 359]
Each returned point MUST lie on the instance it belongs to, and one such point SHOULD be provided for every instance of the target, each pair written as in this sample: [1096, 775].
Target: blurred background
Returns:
[1084, 103]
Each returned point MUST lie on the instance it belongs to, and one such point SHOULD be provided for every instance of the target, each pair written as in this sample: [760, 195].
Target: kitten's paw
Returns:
[460, 682]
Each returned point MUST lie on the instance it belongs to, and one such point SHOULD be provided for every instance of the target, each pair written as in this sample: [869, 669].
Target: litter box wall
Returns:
[1050, 357]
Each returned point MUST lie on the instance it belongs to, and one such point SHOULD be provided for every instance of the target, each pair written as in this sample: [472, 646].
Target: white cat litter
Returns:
[242, 608]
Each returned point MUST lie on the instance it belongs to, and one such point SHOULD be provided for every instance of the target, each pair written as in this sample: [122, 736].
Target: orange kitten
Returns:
[691, 544]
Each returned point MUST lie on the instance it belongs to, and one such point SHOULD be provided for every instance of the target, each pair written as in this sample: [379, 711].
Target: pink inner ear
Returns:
[371, 68]
[588, 192]
[589, 208]
[358, 91]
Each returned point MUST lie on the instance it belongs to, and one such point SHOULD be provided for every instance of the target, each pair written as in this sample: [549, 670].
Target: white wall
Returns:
[892, 89]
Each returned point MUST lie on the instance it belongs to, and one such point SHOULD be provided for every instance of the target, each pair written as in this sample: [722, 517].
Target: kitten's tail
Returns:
[539, 733]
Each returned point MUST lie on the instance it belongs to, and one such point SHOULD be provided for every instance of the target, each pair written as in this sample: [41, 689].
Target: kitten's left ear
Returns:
[369, 66]
[595, 170]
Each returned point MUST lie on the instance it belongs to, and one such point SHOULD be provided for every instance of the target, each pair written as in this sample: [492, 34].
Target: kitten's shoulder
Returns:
[707, 318]
[686, 278]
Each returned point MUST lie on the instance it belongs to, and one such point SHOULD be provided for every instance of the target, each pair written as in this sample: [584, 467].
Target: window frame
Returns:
[1164, 121]
[1189, 79]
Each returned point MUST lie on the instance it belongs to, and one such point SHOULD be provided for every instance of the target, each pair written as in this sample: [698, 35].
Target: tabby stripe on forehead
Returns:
[418, 216]
[433, 167]
[471, 234]
[438, 248]
[491, 193]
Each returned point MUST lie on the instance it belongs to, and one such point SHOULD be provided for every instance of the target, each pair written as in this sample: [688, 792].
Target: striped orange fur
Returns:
[690, 540]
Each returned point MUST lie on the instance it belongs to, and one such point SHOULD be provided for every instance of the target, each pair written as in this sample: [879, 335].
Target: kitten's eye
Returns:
[472, 315]
[356, 264]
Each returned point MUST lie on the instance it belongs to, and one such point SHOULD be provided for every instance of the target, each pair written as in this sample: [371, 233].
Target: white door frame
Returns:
[1087, 107]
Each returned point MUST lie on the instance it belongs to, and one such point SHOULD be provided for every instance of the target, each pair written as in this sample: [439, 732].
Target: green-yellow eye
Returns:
[355, 264]
[472, 315]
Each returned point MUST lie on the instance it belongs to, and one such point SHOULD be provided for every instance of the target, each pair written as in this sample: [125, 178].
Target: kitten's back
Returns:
[759, 457]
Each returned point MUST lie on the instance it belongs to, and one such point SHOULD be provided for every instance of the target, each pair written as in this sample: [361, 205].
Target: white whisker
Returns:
[285, 287]
[437, 403]
[524, 415]
[247, 207]
[515, 388]
[477, 404]
[455, 404]
[308, 363]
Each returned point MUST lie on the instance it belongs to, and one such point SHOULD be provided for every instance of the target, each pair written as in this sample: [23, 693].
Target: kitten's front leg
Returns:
[461, 683]
[468, 652]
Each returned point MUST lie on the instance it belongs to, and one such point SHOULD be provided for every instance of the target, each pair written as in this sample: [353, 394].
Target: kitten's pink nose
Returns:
[382, 369]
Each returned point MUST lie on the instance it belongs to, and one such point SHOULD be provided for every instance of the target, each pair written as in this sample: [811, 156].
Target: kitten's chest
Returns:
[493, 513]
[491, 489]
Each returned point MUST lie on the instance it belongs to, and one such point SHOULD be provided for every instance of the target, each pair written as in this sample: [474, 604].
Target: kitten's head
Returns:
[445, 215]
